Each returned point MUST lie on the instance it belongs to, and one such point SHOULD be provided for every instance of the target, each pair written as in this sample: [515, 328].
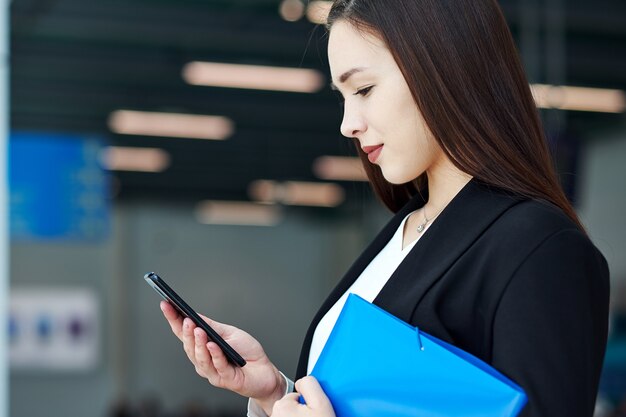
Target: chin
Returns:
[397, 178]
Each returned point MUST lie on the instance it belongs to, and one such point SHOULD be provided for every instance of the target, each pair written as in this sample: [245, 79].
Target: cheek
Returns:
[412, 155]
[422, 139]
[415, 136]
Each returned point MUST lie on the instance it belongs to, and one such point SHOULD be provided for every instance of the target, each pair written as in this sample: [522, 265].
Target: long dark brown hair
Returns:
[460, 62]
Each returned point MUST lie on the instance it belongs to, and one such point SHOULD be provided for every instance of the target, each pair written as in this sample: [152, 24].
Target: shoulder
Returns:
[530, 223]
[551, 265]
[560, 274]
[545, 245]
[537, 232]
[535, 218]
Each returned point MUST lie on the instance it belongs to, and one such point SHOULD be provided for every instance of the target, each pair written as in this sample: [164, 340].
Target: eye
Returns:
[364, 91]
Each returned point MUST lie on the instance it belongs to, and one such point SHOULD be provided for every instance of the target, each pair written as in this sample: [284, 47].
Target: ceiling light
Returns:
[300, 80]
[264, 191]
[317, 12]
[579, 98]
[119, 158]
[192, 126]
[297, 193]
[339, 168]
[291, 10]
[237, 213]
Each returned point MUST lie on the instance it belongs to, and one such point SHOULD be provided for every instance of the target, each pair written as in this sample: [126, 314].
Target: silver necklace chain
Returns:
[422, 226]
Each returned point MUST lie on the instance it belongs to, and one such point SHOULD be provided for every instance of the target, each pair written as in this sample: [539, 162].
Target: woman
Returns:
[484, 250]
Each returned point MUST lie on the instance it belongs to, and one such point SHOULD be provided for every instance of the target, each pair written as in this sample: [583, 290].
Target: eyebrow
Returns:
[344, 77]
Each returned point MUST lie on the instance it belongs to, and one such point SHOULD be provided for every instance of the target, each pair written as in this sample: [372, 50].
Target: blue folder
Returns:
[376, 365]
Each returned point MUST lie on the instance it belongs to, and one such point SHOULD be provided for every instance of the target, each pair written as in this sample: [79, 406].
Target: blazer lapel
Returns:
[354, 272]
[465, 218]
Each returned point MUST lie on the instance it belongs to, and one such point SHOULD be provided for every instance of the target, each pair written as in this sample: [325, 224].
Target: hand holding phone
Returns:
[168, 294]
[258, 379]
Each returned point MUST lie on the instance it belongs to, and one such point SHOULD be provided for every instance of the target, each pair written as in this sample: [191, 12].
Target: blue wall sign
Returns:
[58, 189]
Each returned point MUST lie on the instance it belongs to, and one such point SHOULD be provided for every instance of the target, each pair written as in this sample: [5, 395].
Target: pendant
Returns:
[421, 227]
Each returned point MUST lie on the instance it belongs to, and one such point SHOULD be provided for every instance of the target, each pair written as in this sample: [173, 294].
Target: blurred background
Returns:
[200, 139]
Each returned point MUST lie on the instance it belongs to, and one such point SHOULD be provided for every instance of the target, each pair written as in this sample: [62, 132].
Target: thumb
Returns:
[313, 393]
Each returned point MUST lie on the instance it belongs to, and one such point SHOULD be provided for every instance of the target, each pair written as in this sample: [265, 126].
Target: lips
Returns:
[373, 152]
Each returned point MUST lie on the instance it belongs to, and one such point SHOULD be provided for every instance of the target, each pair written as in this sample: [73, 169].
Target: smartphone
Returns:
[183, 308]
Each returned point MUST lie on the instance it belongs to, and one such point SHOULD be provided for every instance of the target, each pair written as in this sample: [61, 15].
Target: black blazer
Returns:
[512, 281]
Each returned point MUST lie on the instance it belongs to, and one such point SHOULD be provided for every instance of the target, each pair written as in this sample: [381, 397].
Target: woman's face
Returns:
[379, 109]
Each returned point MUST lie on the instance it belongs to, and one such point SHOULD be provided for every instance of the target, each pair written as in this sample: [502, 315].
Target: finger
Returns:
[204, 362]
[170, 312]
[220, 361]
[292, 397]
[286, 406]
[224, 330]
[312, 392]
[189, 343]
[173, 318]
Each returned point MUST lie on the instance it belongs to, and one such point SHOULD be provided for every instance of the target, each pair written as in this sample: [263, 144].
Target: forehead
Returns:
[349, 47]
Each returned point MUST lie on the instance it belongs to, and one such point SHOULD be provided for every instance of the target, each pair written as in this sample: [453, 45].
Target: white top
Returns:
[368, 285]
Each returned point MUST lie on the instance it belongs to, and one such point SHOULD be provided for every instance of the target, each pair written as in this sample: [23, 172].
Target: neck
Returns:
[444, 183]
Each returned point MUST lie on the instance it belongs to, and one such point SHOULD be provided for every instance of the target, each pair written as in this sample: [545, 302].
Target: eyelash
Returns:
[364, 91]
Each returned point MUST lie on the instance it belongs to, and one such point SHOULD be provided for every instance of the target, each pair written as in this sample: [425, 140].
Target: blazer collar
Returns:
[469, 213]
[465, 218]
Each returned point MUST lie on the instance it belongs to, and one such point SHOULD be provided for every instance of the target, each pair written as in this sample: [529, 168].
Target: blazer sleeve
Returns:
[551, 324]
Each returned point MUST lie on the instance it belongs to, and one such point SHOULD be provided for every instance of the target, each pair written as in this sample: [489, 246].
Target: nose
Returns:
[353, 124]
